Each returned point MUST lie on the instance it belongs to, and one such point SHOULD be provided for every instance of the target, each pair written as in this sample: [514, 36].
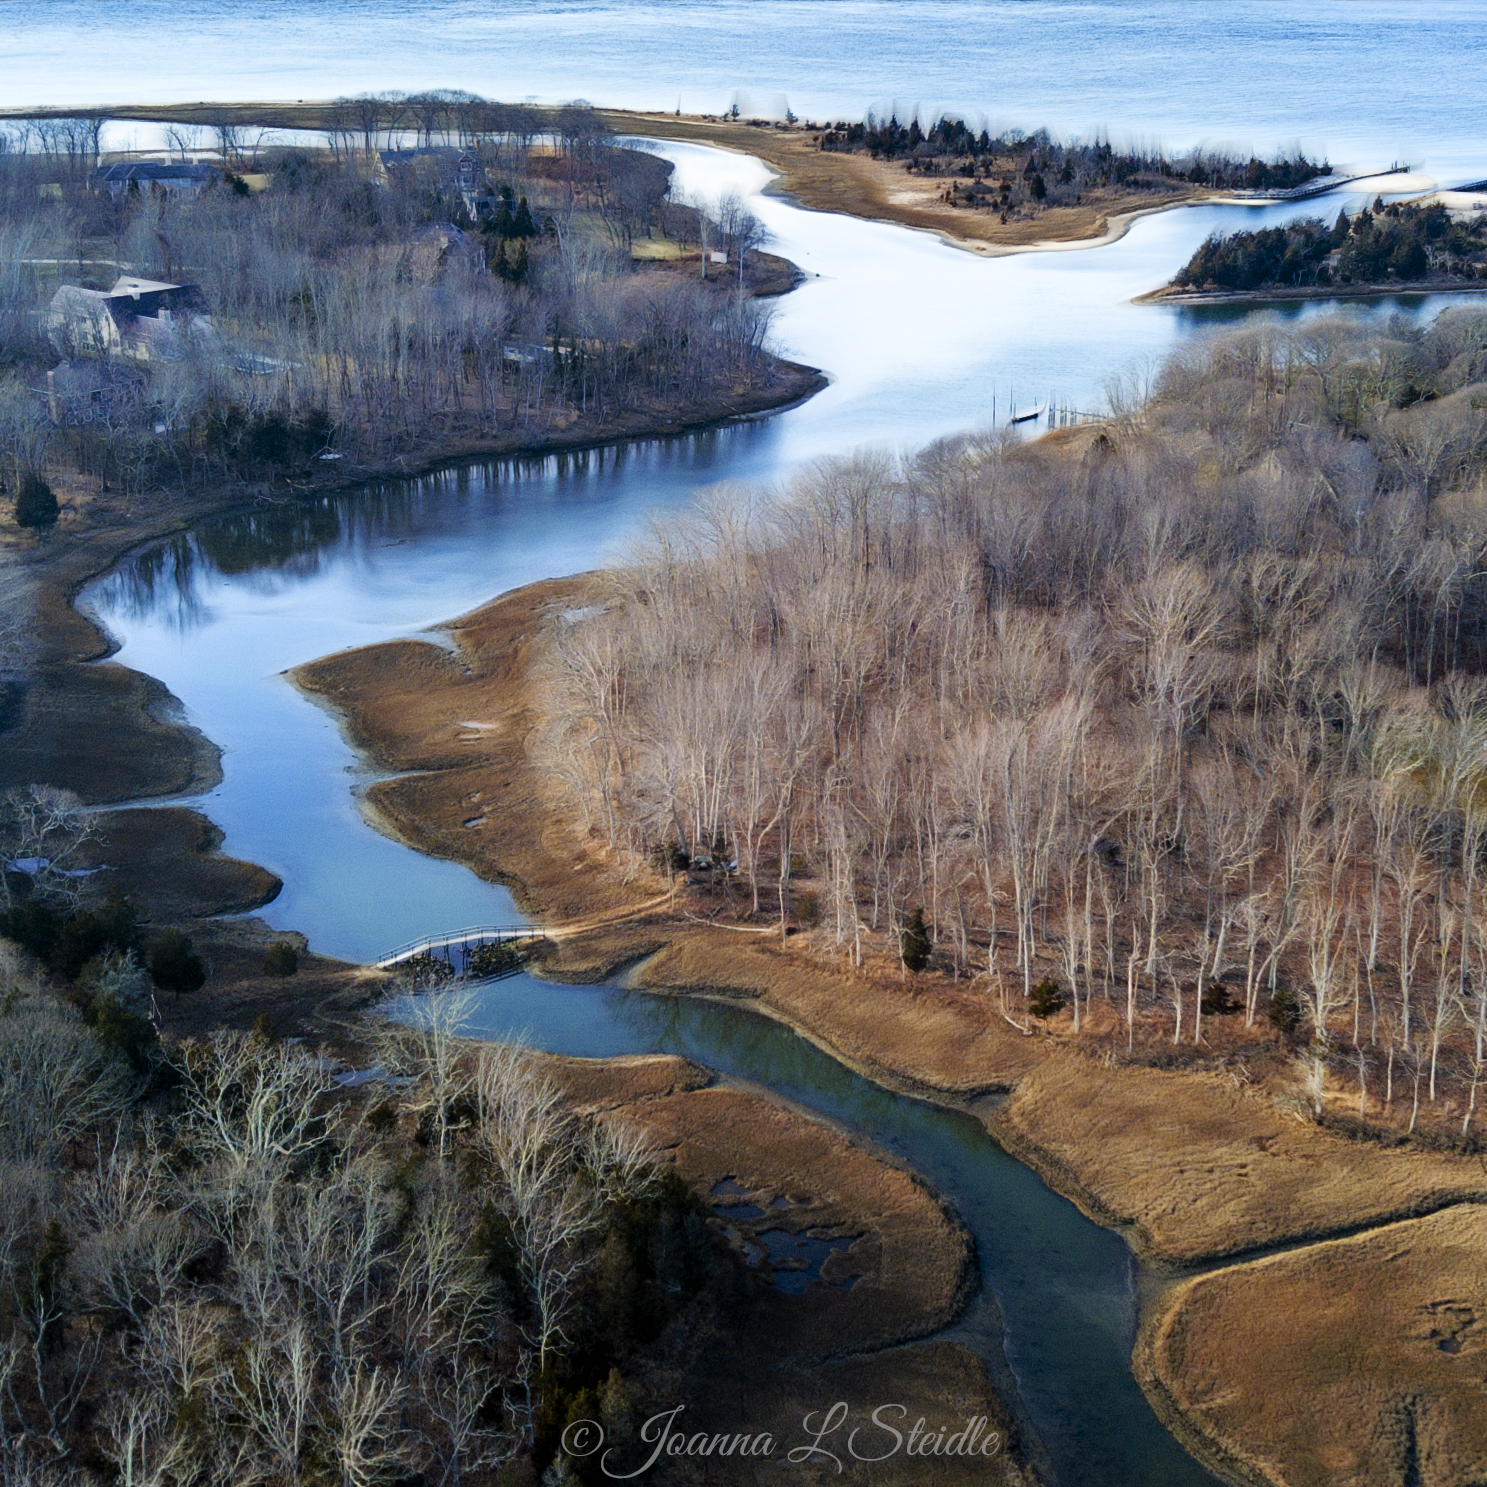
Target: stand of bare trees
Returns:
[218, 1266]
[337, 329]
[1186, 714]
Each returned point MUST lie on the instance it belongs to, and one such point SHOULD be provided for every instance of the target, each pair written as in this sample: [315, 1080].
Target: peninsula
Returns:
[992, 899]
[1422, 246]
[1016, 192]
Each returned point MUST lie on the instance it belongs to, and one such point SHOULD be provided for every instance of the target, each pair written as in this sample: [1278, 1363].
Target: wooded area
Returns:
[1183, 718]
[345, 319]
[1403, 242]
[1028, 173]
[219, 1265]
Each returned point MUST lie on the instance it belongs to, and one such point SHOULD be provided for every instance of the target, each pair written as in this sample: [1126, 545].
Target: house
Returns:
[450, 170]
[440, 246]
[141, 319]
[81, 393]
[176, 177]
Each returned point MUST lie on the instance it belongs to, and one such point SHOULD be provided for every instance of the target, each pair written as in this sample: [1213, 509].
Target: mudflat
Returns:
[899, 1265]
[785, 1187]
[1359, 1361]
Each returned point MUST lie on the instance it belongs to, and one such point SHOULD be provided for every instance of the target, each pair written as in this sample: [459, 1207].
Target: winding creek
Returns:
[918, 339]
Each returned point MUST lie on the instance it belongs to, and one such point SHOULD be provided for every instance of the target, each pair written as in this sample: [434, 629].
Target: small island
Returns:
[1418, 245]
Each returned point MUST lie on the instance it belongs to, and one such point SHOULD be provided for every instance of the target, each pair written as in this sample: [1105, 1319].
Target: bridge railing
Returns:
[471, 938]
[1319, 186]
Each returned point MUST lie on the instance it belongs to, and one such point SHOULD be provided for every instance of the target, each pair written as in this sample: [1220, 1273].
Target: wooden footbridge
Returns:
[459, 949]
[1319, 186]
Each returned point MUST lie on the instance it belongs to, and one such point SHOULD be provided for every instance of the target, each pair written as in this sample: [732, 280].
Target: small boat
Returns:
[1029, 416]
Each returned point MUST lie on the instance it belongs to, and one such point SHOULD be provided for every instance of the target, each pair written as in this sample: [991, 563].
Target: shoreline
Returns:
[118, 736]
[1299, 295]
[1022, 1084]
[852, 184]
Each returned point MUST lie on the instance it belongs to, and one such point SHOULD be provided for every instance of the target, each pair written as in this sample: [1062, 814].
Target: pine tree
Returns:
[174, 963]
[1045, 998]
[914, 945]
[35, 505]
[282, 959]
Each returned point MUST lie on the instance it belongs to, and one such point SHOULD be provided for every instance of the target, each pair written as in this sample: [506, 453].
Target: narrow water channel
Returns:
[1065, 1287]
[920, 341]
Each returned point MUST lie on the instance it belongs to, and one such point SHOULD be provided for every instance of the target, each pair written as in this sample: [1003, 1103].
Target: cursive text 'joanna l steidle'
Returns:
[829, 1437]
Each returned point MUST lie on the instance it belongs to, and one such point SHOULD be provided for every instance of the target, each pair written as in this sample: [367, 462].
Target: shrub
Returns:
[90, 932]
[807, 909]
[34, 925]
[1285, 1011]
[174, 963]
[116, 1005]
[282, 959]
[1217, 1002]
[67, 942]
[913, 943]
[116, 976]
[498, 959]
[35, 505]
[1045, 998]
[420, 972]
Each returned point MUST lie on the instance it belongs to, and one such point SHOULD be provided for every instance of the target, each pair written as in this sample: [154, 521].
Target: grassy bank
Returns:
[1191, 1165]
[1359, 1360]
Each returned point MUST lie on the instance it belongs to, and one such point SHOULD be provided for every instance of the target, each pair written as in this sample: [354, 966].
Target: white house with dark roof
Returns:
[179, 178]
[142, 319]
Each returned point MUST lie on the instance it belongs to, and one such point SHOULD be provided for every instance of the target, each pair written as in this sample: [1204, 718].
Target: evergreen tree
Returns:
[1218, 1002]
[1045, 998]
[1285, 1014]
[282, 959]
[35, 505]
[174, 963]
[914, 945]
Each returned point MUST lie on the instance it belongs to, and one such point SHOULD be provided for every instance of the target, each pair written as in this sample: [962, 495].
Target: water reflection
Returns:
[1410, 309]
[276, 546]
[920, 340]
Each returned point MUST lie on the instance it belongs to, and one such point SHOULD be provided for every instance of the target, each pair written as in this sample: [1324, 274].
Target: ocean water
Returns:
[1363, 81]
